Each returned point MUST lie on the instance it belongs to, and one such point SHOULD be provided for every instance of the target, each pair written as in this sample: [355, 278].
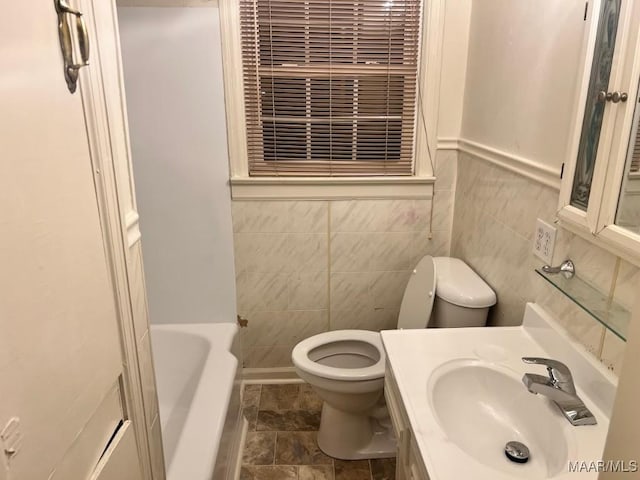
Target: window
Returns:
[330, 86]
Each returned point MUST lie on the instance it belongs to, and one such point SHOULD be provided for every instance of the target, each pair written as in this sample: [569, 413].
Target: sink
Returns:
[462, 393]
[481, 406]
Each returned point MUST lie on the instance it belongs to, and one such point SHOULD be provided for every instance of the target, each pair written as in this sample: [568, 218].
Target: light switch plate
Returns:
[544, 241]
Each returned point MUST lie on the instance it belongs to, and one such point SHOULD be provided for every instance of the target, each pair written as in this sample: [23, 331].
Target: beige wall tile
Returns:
[308, 291]
[350, 290]
[578, 323]
[443, 210]
[495, 212]
[308, 217]
[593, 264]
[360, 215]
[301, 265]
[272, 356]
[380, 215]
[395, 251]
[409, 215]
[351, 252]
[314, 320]
[438, 245]
[261, 252]
[260, 217]
[308, 252]
[264, 328]
[627, 284]
[279, 216]
[613, 352]
[374, 319]
[262, 291]
[283, 328]
[387, 288]
[446, 169]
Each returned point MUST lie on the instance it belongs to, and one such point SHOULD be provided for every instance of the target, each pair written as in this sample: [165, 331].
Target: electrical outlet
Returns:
[544, 241]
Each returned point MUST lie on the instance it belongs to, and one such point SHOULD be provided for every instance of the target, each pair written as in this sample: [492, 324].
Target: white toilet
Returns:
[346, 367]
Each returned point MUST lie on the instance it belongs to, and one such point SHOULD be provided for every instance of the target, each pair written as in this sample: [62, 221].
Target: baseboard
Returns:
[270, 375]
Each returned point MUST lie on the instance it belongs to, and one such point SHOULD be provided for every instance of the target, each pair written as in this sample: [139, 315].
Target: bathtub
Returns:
[197, 377]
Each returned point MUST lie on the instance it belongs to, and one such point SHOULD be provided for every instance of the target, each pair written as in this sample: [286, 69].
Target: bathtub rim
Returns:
[196, 452]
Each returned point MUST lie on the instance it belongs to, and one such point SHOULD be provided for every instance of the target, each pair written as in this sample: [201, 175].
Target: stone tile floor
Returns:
[281, 441]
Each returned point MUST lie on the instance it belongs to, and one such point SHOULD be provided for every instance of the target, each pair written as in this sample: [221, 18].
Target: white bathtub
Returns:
[198, 392]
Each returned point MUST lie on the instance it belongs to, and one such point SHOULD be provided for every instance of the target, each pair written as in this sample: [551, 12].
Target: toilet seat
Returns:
[337, 340]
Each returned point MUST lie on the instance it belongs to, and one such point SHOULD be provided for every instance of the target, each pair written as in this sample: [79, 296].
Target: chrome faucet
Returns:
[559, 387]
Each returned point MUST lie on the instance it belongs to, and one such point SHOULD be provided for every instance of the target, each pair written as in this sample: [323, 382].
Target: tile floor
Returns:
[281, 441]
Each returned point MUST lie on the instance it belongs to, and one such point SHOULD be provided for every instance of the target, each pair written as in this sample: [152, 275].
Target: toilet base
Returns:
[349, 436]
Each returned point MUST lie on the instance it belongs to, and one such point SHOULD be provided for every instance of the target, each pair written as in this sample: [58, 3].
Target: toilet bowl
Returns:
[346, 367]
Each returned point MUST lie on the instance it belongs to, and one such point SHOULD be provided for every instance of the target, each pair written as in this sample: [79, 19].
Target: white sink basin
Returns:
[481, 407]
[463, 395]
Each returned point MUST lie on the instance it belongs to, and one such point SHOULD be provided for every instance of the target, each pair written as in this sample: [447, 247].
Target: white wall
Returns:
[521, 76]
[175, 100]
[455, 44]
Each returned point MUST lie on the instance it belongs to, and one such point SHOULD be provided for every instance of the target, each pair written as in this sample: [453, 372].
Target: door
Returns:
[59, 341]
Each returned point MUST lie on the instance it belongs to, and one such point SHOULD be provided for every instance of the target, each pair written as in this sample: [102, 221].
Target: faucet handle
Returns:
[559, 373]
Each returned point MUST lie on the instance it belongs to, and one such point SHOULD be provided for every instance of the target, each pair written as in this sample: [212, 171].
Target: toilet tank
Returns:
[462, 298]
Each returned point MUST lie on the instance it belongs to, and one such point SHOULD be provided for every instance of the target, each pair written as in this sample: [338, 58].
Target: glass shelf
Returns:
[609, 313]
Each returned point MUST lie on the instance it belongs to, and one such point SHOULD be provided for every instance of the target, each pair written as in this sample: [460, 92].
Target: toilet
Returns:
[346, 367]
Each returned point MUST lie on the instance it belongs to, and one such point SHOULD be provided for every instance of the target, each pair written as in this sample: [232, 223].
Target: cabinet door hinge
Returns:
[586, 9]
[561, 171]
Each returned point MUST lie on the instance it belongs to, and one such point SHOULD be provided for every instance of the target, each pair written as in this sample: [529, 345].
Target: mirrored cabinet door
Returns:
[600, 193]
[597, 99]
[628, 212]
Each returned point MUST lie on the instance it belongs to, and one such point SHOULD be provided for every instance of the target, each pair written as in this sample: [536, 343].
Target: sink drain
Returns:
[516, 452]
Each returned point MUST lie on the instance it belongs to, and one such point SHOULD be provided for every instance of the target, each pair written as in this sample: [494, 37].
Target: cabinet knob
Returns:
[614, 97]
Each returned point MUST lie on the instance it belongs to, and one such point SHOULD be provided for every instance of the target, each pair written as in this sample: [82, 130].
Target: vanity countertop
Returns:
[414, 356]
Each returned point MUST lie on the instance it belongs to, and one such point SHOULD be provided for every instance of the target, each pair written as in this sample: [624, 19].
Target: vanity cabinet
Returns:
[409, 464]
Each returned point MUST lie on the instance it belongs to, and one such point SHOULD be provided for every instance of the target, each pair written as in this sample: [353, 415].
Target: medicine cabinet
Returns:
[600, 190]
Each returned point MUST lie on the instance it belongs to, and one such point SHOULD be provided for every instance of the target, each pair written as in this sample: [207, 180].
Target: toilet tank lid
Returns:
[458, 284]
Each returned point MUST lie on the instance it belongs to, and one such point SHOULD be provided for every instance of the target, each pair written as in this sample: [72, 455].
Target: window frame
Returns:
[418, 185]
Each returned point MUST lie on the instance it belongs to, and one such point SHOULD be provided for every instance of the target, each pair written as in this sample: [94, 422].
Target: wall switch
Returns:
[544, 240]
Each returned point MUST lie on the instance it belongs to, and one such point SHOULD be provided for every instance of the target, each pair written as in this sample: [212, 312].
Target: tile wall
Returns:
[305, 267]
[495, 215]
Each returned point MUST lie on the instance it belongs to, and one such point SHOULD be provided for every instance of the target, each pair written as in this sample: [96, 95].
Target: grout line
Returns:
[275, 447]
[614, 280]
[259, 398]
[601, 343]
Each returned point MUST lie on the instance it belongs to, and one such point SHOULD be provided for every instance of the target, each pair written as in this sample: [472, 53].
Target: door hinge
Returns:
[561, 170]
[586, 9]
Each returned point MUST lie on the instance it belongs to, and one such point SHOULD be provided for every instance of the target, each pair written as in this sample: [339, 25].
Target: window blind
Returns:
[330, 86]
[635, 156]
